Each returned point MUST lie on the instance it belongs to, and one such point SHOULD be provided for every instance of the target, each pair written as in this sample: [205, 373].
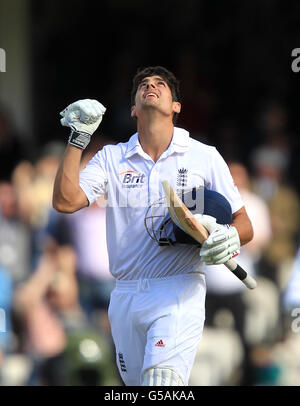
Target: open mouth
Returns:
[151, 95]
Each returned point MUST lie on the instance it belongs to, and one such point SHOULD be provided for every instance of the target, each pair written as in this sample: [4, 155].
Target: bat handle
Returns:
[241, 274]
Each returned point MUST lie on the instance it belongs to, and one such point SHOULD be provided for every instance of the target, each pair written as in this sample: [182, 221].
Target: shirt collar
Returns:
[180, 140]
[179, 143]
[133, 146]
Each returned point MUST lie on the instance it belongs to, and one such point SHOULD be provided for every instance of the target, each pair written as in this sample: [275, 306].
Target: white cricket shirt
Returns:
[132, 181]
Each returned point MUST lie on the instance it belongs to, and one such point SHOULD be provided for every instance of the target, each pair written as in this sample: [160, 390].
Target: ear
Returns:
[176, 107]
[133, 113]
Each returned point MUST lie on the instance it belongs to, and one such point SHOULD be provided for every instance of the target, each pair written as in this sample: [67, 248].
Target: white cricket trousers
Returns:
[157, 323]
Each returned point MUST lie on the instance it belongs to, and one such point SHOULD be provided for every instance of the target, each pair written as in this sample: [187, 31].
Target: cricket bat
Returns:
[180, 214]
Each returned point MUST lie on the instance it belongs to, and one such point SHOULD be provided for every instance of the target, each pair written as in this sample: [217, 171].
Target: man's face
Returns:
[154, 93]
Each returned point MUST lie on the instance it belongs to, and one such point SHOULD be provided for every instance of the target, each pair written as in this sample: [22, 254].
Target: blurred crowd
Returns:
[252, 336]
[55, 282]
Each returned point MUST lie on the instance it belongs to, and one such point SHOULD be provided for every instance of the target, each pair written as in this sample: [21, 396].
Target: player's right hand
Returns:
[83, 117]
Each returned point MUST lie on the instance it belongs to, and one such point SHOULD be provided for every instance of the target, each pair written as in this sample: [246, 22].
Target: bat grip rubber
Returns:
[241, 274]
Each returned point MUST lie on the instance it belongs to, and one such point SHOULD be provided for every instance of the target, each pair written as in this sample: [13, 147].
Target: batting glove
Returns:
[83, 117]
[222, 244]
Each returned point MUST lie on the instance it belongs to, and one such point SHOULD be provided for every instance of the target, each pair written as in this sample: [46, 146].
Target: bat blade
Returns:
[185, 219]
[182, 216]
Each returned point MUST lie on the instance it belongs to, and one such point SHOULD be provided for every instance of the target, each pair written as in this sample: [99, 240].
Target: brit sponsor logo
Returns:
[132, 179]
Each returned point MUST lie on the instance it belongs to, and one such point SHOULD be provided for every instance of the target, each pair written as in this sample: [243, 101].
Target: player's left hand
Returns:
[222, 244]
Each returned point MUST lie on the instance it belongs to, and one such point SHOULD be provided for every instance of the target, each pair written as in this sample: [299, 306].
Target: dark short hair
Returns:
[165, 74]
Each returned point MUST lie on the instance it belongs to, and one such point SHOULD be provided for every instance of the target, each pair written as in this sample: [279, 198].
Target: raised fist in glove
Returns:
[83, 117]
[222, 244]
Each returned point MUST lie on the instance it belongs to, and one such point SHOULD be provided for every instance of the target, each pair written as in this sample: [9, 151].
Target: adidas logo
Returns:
[122, 362]
[160, 343]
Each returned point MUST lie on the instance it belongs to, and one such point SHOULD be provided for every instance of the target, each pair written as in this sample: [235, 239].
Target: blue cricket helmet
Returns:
[164, 231]
[214, 204]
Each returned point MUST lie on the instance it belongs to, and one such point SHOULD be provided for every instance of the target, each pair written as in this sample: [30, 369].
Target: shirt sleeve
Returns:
[93, 178]
[221, 181]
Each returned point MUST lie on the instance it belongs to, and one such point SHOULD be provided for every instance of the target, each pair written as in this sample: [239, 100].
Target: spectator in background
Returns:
[224, 290]
[6, 292]
[258, 212]
[44, 321]
[14, 236]
[278, 362]
[219, 280]
[49, 309]
[36, 303]
[34, 184]
[270, 163]
[85, 231]
[271, 126]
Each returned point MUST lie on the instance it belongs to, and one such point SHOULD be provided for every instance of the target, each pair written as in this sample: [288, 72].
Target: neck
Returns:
[155, 136]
